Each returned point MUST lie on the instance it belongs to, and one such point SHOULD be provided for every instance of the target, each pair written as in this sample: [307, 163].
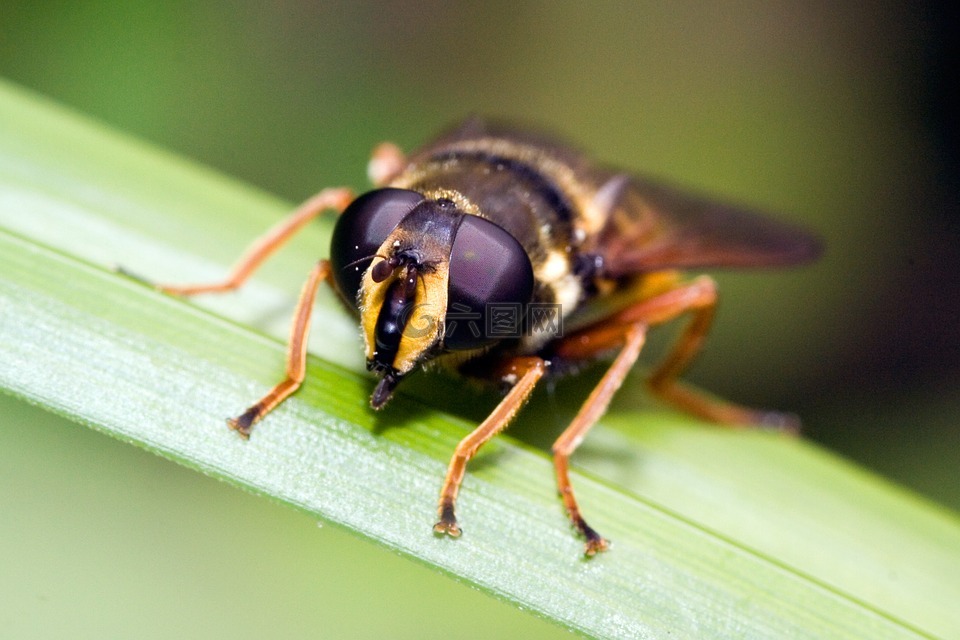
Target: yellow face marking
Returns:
[425, 321]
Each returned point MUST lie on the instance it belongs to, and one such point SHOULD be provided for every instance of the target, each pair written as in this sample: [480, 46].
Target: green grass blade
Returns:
[717, 534]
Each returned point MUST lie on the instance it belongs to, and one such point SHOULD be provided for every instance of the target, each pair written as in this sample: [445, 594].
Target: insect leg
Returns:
[526, 371]
[698, 297]
[589, 413]
[261, 249]
[701, 301]
[296, 354]
[386, 161]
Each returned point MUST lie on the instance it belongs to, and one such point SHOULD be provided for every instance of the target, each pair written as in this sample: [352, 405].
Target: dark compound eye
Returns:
[490, 279]
[361, 229]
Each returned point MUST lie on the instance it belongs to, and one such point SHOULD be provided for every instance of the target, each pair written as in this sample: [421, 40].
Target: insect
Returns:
[474, 250]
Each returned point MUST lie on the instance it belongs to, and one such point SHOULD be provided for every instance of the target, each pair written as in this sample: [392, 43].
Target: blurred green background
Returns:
[841, 117]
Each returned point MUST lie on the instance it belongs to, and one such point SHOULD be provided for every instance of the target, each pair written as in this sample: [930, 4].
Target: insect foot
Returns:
[244, 424]
[595, 542]
[595, 545]
[448, 523]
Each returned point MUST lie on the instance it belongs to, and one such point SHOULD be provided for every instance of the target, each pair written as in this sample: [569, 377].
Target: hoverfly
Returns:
[487, 220]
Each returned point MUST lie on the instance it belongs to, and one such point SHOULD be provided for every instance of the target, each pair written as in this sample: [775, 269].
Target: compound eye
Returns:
[361, 229]
[490, 278]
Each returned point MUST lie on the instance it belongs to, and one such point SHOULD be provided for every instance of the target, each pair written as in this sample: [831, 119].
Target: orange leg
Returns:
[698, 297]
[296, 354]
[524, 372]
[627, 330]
[386, 162]
[590, 412]
[262, 248]
[336, 199]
